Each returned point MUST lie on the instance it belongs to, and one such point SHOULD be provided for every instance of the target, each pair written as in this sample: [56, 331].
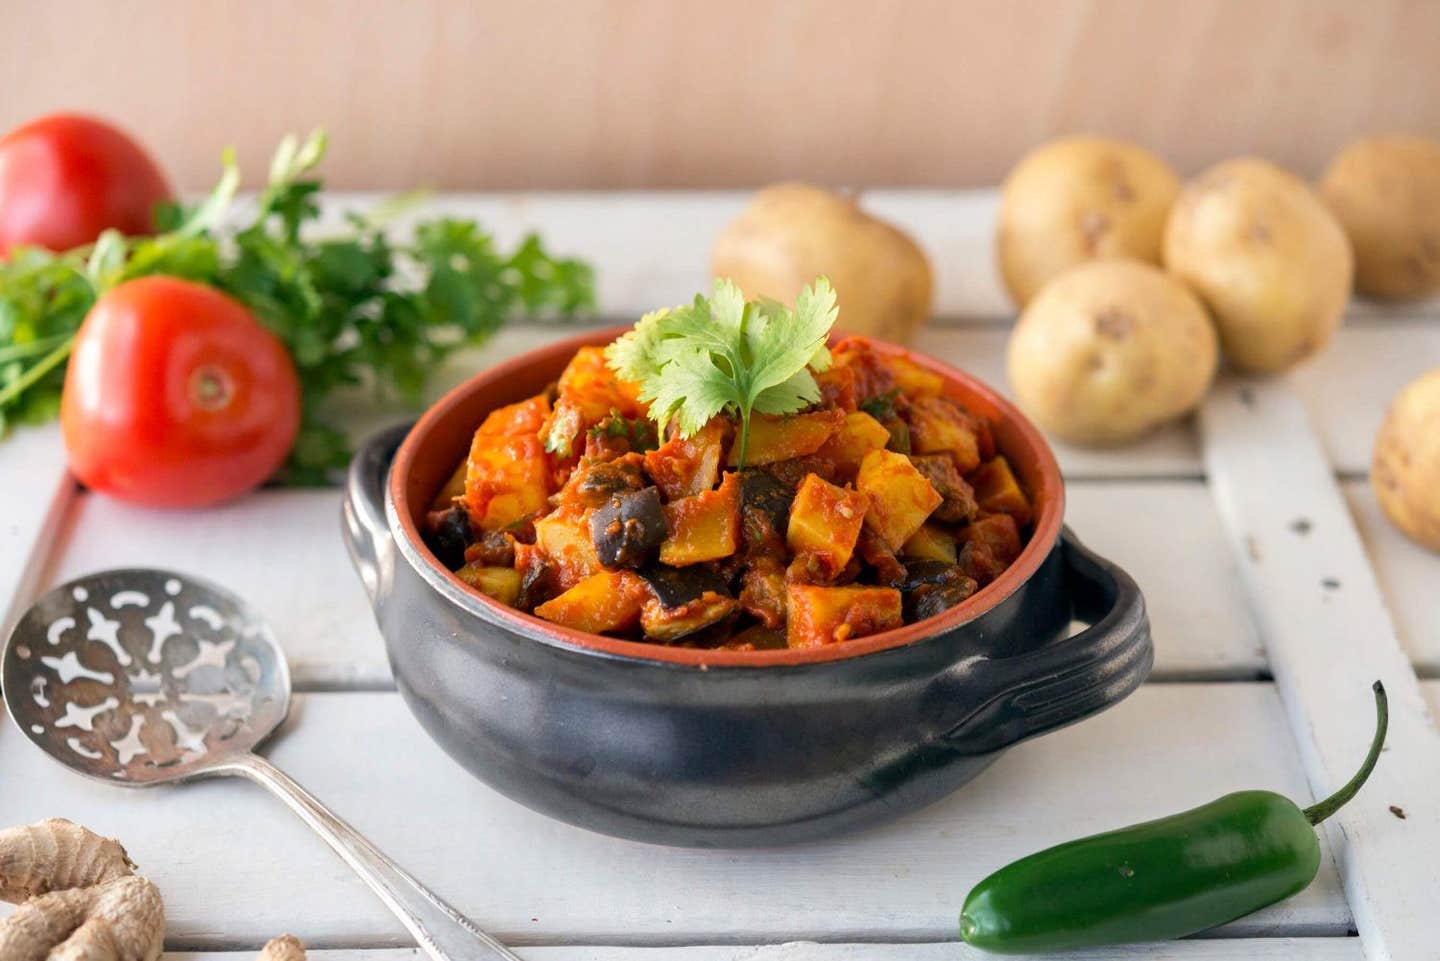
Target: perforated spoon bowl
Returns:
[143, 677]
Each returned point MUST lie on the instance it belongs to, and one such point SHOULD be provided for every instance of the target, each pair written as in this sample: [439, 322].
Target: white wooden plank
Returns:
[1328, 634]
[35, 489]
[1348, 387]
[236, 868]
[256, 545]
[1409, 578]
[1228, 949]
[280, 550]
[1167, 535]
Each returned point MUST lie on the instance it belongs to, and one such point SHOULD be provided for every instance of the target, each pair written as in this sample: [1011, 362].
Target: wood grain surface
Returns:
[630, 93]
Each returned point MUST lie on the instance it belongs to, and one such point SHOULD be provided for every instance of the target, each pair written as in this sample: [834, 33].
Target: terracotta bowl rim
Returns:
[403, 528]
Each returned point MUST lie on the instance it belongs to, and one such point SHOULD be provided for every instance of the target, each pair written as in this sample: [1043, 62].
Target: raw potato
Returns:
[1079, 199]
[1109, 350]
[792, 233]
[1406, 470]
[1268, 258]
[1386, 192]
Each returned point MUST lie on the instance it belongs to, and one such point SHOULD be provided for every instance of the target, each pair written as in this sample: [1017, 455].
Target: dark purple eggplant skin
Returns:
[627, 529]
[737, 756]
[448, 533]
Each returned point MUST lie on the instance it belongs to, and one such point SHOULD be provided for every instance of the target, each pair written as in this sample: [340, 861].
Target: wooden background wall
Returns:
[650, 93]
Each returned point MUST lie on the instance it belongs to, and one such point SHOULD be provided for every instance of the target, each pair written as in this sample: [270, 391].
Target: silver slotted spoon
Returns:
[144, 677]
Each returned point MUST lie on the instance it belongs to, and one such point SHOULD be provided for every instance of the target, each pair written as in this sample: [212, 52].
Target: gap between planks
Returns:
[1254, 949]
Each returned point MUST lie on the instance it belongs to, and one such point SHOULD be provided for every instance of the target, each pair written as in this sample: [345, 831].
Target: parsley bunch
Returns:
[354, 308]
[727, 354]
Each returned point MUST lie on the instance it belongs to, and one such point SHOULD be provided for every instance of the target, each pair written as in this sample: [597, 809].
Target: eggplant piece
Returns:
[764, 513]
[594, 484]
[447, 534]
[930, 587]
[629, 528]
[687, 600]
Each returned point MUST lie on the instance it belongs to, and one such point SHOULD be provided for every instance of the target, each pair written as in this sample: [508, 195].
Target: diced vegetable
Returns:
[939, 426]
[525, 417]
[781, 438]
[998, 492]
[900, 496]
[448, 534]
[837, 388]
[997, 533]
[683, 602]
[990, 545]
[829, 615]
[603, 602]
[564, 538]
[684, 467]
[762, 592]
[705, 527]
[825, 521]
[858, 436]
[669, 624]
[507, 478]
[764, 514]
[454, 487]
[930, 543]
[957, 497]
[591, 485]
[873, 377]
[501, 583]
[628, 528]
[914, 380]
[934, 586]
[588, 391]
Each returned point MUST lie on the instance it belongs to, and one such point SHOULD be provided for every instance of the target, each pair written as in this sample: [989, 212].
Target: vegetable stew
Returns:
[883, 503]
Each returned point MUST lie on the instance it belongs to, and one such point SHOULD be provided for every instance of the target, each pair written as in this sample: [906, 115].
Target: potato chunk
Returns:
[522, 418]
[705, 527]
[501, 583]
[684, 468]
[829, 615]
[998, 492]
[940, 426]
[913, 380]
[900, 496]
[930, 543]
[607, 601]
[564, 539]
[506, 478]
[857, 436]
[781, 438]
[825, 520]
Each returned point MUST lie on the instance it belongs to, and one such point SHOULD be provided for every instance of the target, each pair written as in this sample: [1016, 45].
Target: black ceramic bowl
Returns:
[732, 748]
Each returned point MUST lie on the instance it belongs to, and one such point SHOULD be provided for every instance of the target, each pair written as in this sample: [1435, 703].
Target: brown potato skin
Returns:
[1110, 350]
[1386, 193]
[1079, 199]
[792, 233]
[1267, 257]
[1405, 474]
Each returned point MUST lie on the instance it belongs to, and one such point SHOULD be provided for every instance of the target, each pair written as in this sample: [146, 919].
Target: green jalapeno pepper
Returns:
[1162, 879]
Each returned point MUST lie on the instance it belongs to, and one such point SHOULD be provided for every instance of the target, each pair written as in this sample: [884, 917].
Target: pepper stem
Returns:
[1320, 811]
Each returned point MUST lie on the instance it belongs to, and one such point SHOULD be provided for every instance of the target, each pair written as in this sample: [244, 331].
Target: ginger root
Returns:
[79, 898]
[287, 947]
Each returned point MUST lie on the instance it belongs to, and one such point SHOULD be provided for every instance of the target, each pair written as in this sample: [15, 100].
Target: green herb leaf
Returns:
[354, 309]
[725, 354]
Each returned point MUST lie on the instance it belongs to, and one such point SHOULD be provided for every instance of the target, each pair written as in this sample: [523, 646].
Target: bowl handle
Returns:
[1064, 681]
[367, 536]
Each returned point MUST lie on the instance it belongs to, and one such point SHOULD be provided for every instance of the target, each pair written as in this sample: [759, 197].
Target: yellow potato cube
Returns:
[900, 496]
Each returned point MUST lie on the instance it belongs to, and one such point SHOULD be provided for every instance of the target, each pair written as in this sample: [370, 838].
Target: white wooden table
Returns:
[1200, 515]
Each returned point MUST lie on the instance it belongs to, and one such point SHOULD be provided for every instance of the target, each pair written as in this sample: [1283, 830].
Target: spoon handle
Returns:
[444, 933]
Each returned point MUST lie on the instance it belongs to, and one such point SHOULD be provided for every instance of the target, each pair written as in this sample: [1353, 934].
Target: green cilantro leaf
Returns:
[357, 308]
[724, 354]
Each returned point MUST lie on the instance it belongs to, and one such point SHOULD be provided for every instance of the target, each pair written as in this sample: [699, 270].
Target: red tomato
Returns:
[176, 396]
[65, 178]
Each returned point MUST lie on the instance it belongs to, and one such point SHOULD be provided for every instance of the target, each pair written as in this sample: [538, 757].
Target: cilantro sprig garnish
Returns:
[353, 306]
[728, 354]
